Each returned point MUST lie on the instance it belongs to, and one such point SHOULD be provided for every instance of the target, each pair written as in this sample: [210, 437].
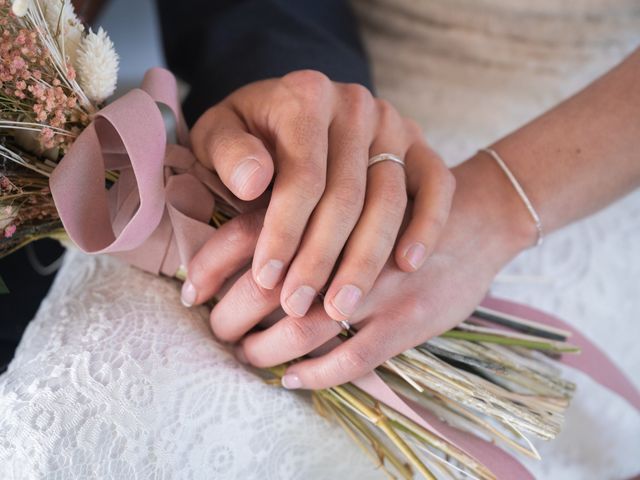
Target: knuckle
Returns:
[307, 84]
[392, 196]
[286, 237]
[413, 307]
[254, 294]
[359, 106]
[298, 333]
[198, 272]
[435, 222]
[242, 229]
[348, 198]
[354, 361]
[307, 77]
[372, 262]
[386, 239]
[311, 180]
[358, 96]
[387, 112]
[315, 264]
[347, 213]
[225, 144]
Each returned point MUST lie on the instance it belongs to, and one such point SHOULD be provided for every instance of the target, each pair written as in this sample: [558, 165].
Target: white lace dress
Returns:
[115, 379]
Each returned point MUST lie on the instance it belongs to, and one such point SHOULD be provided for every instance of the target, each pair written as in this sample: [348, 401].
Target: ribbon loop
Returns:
[156, 215]
[128, 134]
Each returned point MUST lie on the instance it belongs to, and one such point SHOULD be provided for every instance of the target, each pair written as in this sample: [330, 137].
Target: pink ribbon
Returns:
[156, 216]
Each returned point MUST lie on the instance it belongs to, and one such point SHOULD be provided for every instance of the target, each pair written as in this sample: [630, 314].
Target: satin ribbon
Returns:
[156, 217]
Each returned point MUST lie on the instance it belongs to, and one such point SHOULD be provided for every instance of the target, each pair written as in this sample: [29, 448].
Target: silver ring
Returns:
[381, 157]
[345, 325]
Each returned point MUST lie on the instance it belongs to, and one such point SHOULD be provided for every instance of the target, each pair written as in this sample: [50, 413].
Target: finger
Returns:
[220, 140]
[301, 124]
[377, 341]
[229, 249]
[337, 213]
[289, 338]
[242, 308]
[431, 185]
[373, 238]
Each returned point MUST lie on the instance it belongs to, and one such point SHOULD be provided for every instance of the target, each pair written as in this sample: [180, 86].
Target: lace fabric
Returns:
[116, 379]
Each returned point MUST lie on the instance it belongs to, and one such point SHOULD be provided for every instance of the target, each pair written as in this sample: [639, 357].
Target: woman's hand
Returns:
[312, 138]
[488, 225]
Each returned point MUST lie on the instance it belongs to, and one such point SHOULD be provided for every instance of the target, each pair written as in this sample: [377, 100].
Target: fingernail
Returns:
[243, 173]
[415, 255]
[346, 300]
[300, 300]
[291, 381]
[188, 294]
[269, 275]
[239, 354]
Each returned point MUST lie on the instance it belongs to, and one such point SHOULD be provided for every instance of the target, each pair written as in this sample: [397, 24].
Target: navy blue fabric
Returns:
[219, 46]
[26, 291]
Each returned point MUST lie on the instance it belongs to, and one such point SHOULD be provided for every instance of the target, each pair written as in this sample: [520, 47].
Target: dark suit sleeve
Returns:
[218, 46]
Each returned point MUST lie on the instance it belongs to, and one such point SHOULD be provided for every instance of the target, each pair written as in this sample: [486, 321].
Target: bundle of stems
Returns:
[495, 382]
[27, 210]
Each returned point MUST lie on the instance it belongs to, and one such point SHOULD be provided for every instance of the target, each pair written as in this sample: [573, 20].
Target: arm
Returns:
[576, 158]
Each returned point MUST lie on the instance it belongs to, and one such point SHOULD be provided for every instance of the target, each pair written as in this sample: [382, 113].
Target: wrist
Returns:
[494, 208]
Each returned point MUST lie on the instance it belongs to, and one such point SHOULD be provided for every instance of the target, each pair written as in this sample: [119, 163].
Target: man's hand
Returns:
[312, 139]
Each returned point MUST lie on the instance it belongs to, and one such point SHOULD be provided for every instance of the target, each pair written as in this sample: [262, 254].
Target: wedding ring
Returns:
[381, 157]
[345, 325]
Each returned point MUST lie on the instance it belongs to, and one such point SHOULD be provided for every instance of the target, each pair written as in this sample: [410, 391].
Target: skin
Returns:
[312, 139]
[571, 161]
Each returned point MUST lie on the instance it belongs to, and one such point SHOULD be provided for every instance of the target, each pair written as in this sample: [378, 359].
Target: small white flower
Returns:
[64, 26]
[20, 7]
[97, 66]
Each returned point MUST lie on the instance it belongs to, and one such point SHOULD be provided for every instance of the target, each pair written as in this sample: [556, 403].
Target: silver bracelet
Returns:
[527, 203]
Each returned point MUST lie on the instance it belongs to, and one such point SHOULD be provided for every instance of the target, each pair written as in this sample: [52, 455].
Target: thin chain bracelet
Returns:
[525, 199]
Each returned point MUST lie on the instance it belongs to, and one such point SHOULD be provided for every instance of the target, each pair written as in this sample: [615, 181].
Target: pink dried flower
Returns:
[9, 231]
[71, 72]
[27, 75]
[18, 64]
[46, 138]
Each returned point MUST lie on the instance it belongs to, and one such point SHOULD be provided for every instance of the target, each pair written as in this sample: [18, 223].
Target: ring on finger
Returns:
[345, 325]
[382, 157]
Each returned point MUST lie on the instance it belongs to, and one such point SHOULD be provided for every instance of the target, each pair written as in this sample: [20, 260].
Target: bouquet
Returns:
[103, 175]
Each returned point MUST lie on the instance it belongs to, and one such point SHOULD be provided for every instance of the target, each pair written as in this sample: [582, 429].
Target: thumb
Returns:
[221, 141]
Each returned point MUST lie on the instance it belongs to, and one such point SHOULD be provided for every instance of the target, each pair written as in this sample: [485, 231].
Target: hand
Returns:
[488, 225]
[318, 136]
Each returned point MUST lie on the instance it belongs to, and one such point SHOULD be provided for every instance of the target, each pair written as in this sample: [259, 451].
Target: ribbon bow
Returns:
[156, 215]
